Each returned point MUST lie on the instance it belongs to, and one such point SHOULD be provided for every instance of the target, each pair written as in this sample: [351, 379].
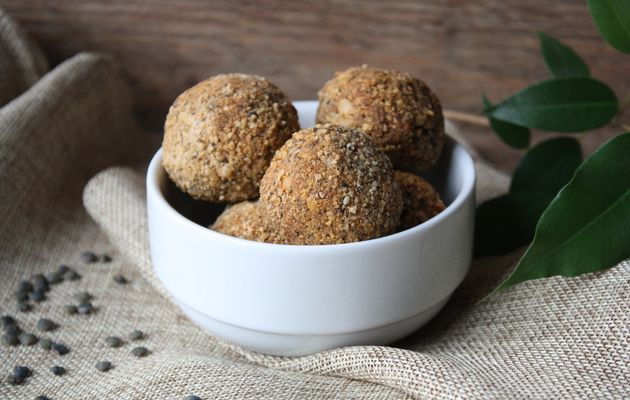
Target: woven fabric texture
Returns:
[552, 338]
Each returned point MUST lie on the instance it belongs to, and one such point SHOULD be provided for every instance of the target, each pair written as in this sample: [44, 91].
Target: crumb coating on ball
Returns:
[331, 184]
[246, 220]
[221, 134]
[421, 200]
[399, 112]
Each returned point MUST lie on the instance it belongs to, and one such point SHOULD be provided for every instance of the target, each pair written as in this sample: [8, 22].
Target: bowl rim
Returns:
[156, 169]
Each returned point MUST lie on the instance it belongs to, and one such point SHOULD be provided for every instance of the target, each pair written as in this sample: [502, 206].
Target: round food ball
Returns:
[421, 200]
[399, 112]
[331, 184]
[246, 220]
[221, 134]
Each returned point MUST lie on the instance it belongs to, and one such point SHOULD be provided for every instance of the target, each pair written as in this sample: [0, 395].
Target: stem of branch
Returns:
[465, 117]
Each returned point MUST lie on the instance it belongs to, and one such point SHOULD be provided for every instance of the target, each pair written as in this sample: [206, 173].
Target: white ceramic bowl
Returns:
[296, 300]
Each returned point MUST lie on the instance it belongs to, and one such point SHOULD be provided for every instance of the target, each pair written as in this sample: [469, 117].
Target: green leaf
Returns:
[585, 228]
[612, 18]
[562, 105]
[561, 60]
[508, 222]
[513, 135]
[548, 166]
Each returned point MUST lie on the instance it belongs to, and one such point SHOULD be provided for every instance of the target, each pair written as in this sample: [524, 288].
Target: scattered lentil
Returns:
[22, 371]
[45, 344]
[13, 329]
[7, 320]
[192, 397]
[140, 351]
[15, 380]
[71, 275]
[106, 258]
[25, 286]
[63, 269]
[85, 308]
[103, 366]
[60, 348]
[113, 341]
[53, 277]
[88, 257]
[120, 279]
[58, 370]
[70, 309]
[21, 296]
[10, 339]
[23, 306]
[40, 283]
[42, 397]
[136, 335]
[37, 296]
[27, 339]
[46, 325]
[83, 297]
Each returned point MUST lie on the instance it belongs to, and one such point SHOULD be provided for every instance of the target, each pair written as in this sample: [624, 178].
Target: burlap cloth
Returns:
[553, 338]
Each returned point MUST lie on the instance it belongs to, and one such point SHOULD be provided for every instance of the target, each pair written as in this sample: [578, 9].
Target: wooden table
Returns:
[460, 48]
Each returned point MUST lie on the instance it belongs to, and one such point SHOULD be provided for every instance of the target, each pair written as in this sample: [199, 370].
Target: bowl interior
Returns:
[204, 213]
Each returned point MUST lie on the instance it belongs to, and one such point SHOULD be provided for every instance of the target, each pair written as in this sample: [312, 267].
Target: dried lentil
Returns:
[103, 366]
[140, 351]
[27, 339]
[46, 325]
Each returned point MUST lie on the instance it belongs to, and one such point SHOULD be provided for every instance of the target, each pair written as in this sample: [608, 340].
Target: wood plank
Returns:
[460, 48]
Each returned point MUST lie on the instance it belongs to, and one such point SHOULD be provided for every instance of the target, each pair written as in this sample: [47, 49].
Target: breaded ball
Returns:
[221, 134]
[421, 200]
[331, 184]
[246, 220]
[399, 112]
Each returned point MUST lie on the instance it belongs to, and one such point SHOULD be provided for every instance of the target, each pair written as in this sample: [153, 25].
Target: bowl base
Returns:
[300, 345]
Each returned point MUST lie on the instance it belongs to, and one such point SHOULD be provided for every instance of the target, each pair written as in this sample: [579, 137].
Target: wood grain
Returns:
[460, 48]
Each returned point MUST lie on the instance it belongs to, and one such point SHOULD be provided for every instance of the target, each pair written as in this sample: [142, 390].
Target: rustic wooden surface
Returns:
[459, 47]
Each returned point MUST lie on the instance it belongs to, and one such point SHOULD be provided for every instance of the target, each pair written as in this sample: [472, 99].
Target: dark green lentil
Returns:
[40, 283]
[42, 397]
[10, 339]
[13, 329]
[53, 277]
[25, 286]
[23, 306]
[71, 275]
[103, 366]
[45, 344]
[7, 320]
[88, 257]
[60, 348]
[20, 370]
[27, 339]
[136, 335]
[192, 397]
[37, 296]
[46, 325]
[140, 351]
[85, 308]
[21, 296]
[83, 297]
[120, 279]
[106, 258]
[15, 380]
[70, 309]
[63, 268]
[58, 370]
[113, 341]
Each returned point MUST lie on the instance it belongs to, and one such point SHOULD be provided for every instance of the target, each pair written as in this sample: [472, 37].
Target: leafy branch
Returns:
[574, 214]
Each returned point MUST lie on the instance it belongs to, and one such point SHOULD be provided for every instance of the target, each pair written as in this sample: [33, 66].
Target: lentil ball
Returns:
[398, 111]
[247, 220]
[331, 184]
[221, 134]
[421, 200]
